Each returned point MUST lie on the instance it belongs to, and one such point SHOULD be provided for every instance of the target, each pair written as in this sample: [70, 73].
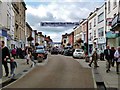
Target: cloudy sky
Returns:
[58, 10]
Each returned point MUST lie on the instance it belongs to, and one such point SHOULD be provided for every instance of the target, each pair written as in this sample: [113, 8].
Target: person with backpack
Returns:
[117, 56]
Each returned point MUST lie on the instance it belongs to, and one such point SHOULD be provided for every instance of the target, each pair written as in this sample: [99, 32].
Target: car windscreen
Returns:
[39, 51]
[40, 47]
[79, 50]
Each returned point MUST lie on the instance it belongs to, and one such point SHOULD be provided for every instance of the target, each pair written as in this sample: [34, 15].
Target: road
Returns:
[59, 72]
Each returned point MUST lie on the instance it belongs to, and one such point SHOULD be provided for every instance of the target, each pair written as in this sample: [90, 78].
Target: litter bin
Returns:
[87, 58]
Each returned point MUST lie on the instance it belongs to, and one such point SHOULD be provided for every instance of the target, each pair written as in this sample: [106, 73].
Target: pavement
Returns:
[21, 67]
[111, 79]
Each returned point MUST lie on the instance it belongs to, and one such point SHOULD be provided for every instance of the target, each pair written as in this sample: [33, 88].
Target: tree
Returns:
[30, 39]
[68, 44]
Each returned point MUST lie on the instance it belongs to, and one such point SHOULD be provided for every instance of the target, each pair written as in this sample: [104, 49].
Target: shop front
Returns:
[113, 39]
[116, 28]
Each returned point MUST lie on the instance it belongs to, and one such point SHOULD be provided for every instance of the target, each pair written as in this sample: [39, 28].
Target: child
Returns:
[13, 65]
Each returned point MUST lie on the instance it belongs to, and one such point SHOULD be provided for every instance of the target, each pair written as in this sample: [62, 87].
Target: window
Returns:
[90, 25]
[94, 22]
[108, 6]
[101, 32]
[101, 17]
[94, 33]
[114, 4]
[90, 37]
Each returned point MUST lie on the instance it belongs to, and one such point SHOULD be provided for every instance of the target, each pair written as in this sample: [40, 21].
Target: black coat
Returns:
[112, 53]
[107, 56]
[5, 52]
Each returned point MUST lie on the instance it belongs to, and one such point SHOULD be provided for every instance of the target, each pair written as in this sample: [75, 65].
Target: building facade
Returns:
[33, 35]
[22, 39]
[71, 38]
[20, 19]
[64, 40]
[84, 30]
[28, 33]
[101, 27]
[6, 22]
[41, 38]
[92, 30]
[113, 28]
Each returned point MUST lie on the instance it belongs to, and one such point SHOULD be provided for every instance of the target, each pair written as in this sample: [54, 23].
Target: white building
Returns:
[6, 22]
[113, 17]
[101, 27]
[92, 30]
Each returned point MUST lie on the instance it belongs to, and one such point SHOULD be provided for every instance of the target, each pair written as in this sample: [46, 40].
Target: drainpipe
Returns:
[87, 40]
[106, 23]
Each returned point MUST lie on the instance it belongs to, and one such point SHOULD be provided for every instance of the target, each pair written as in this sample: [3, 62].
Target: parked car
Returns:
[61, 51]
[78, 53]
[54, 51]
[68, 52]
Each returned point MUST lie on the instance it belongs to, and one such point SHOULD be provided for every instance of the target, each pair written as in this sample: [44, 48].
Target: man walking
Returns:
[117, 56]
[107, 53]
[94, 58]
[5, 56]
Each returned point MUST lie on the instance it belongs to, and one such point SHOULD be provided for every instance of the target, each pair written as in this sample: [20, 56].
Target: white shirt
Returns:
[117, 55]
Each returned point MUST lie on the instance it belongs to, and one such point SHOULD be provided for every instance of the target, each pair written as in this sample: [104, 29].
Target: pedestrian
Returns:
[28, 58]
[107, 53]
[13, 65]
[32, 57]
[117, 56]
[13, 52]
[5, 56]
[17, 52]
[112, 55]
[101, 54]
[94, 58]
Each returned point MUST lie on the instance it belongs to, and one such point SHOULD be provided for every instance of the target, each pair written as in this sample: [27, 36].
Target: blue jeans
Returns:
[12, 71]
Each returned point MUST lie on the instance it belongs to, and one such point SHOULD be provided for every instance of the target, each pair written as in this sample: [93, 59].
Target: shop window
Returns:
[101, 32]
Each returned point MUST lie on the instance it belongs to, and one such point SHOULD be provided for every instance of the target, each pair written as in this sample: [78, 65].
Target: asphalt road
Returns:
[59, 72]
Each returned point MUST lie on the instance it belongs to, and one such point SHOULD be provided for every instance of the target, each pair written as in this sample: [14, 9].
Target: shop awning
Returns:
[111, 35]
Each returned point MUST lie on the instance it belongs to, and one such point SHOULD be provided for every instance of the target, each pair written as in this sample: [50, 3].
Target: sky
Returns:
[58, 11]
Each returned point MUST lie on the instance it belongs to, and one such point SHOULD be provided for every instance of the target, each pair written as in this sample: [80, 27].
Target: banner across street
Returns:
[59, 24]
